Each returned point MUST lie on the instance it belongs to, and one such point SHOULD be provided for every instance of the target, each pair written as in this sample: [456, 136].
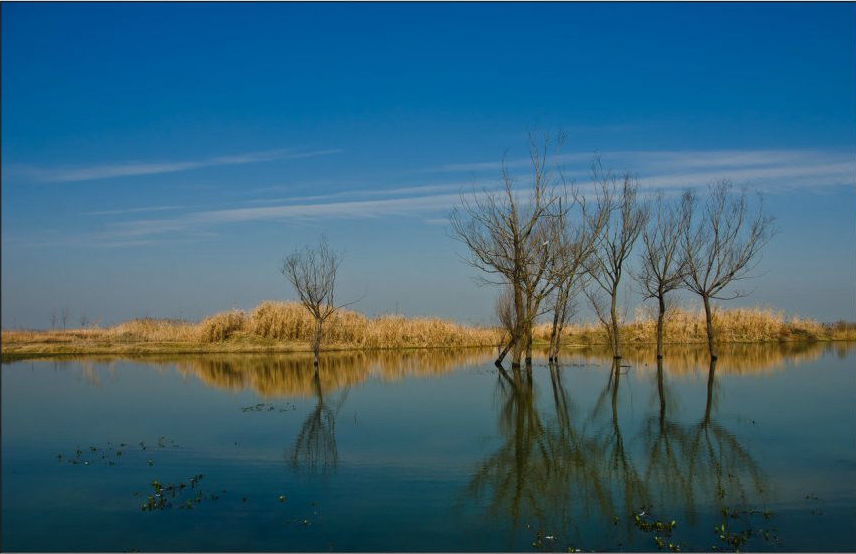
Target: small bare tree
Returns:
[513, 240]
[628, 216]
[312, 272]
[722, 245]
[663, 263]
[64, 317]
[53, 319]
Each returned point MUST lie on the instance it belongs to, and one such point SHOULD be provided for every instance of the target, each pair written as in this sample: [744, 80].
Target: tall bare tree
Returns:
[53, 319]
[722, 245]
[606, 265]
[663, 264]
[577, 241]
[513, 238]
[312, 272]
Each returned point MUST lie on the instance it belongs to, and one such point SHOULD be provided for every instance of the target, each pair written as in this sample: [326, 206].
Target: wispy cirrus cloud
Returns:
[791, 167]
[134, 210]
[761, 169]
[354, 209]
[771, 170]
[130, 169]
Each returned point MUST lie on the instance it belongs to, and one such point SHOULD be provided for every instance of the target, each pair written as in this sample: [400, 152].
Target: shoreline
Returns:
[30, 350]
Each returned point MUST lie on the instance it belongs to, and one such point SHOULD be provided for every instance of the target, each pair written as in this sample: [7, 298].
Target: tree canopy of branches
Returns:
[722, 245]
[312, 271]
[513, 239]
[627, 216]
[663, 262]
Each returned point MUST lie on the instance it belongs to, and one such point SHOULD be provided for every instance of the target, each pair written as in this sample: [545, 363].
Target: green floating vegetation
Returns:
[735, 539]
[660, 530]
[162, 496]
[266, 407]
[107, 454]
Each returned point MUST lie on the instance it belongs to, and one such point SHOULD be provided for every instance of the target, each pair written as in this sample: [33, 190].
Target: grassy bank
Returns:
[287, 327]
[683, 326]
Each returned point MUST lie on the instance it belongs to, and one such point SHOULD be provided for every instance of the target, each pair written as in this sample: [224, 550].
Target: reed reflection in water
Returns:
[291, 375]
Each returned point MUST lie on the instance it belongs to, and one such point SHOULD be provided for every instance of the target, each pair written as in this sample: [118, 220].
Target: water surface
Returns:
[432, 450]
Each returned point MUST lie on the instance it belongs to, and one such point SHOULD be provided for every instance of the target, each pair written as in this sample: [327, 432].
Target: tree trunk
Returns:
[558, 341]
[559, 314]
[316, 340]
[661, 392]
[554, 333]
[709, 317]
[529, 345]
[504, 351]
[616, 352]
[518, 344]
[710, 377]
[660, 317]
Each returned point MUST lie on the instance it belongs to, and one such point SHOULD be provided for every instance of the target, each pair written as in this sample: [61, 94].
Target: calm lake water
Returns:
[432, 450]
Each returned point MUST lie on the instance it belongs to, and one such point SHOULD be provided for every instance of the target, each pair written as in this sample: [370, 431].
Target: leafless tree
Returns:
[722, 245]
[513, 239]
[53, 319]
[606, 265]
[64, 317]
[312, 271]
[83, 320]
[663, 264]
[576, 244]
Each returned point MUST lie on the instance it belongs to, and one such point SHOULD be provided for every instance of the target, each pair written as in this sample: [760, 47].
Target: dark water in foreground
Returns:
[432, 451]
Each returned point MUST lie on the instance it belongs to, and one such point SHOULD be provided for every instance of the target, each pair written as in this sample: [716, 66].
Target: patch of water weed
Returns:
[108, 454]
[266, 407]
[660, 530]
[163, 496]
[735, 535]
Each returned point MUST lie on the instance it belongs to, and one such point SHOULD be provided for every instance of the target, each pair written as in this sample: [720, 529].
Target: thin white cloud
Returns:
[134, 210]
[351, 209]
[769, 170]
[375, 192]
[762, 170]
[670, 160]
[129, 169]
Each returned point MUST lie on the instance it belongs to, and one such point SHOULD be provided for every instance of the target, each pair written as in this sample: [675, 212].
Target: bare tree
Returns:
[722, 245]
[53, 319]
[64, 317]
[83, 320]
[513, 240]
[628, 216]
[663, 263]
[576, 244]
[312, 272]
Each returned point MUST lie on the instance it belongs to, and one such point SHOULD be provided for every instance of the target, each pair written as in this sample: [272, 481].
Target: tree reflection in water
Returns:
[571, 474]
[314, 449]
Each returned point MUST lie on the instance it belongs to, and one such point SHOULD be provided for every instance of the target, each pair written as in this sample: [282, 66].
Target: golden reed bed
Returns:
[293, 375]
[287, 327]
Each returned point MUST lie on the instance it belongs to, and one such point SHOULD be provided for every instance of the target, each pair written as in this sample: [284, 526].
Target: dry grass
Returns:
[288, 327]
[683, 326]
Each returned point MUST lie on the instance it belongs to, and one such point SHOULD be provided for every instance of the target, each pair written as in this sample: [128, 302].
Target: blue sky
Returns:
[159, 159]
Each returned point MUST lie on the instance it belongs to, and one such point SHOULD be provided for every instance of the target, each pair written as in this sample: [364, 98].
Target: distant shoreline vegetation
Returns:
[288, 327]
